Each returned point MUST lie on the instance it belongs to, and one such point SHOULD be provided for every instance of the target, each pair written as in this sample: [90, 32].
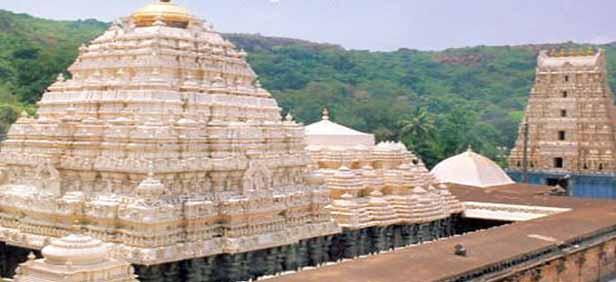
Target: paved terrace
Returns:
[489, 251]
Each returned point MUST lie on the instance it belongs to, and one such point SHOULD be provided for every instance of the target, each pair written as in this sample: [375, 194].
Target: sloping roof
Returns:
[472, 169]
[436, 261]
[327, 127]
[329, 133]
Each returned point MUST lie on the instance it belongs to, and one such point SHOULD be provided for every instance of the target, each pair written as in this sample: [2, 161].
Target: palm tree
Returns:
[417, 131]
[418, 126]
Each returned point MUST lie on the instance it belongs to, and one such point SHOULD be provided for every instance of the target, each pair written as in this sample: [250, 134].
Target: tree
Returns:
[417, 131]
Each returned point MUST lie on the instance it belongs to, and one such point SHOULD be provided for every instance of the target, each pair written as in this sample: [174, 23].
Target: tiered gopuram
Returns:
[163, 143]
[571, 118]
[383, 195]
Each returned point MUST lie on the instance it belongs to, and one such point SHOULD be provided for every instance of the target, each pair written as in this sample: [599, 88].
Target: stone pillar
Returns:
[351, 243]
[257, 265]
[448, 227]
[271, 262]
[378, 238]
[280, 259]
[4, 269]
[198, 270]
[315, 249]
[149, 273]
[406, 233]
[303, 258]
[232, 268]
[398, 242]
[366, 241]
[327, 243]
[338, 246]
[290, 258]
[171, 272]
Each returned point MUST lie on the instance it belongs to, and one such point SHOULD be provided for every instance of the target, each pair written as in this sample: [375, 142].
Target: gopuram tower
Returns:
[163, 144]
[568, 130]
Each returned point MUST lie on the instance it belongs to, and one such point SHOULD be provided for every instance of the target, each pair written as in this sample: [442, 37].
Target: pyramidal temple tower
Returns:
[163, 143]
[570, 123]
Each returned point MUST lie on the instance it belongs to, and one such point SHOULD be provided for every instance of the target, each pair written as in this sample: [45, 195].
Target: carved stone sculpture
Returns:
[163, 143]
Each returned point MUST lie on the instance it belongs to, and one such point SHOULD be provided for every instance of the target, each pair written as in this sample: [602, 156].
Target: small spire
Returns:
[289, 117]
[325, 114]
[470, 148]
[60, 77]
[31, 256]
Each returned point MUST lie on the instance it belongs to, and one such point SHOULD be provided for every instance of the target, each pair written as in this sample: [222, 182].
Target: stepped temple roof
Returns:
[163, 134]
[375, 185]
[470, 168]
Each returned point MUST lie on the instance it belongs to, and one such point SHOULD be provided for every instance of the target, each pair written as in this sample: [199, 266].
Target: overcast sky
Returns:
[376, 24]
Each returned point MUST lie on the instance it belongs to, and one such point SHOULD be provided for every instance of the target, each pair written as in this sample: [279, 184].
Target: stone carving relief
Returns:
[256, 178]
[48, 178]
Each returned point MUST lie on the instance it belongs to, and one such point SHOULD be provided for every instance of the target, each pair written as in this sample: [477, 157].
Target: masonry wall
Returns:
[597, 263]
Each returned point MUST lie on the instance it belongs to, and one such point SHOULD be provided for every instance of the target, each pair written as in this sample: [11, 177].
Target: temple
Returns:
[163, 143]
[382, 194]
[75, 258]
[567, 134]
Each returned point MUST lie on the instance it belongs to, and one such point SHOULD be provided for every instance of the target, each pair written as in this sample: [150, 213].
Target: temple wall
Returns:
[598, 186]
[250, 265]
[597, 263]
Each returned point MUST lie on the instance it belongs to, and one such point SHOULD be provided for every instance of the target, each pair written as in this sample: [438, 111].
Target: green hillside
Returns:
[436, 102]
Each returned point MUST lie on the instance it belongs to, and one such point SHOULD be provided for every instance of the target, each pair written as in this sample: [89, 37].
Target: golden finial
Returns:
[325, 114]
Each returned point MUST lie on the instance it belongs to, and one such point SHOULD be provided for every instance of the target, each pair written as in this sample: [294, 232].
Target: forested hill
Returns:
[437, 102]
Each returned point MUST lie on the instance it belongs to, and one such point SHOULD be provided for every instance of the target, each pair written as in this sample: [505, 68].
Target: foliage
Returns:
[438, 103]
[470, 96]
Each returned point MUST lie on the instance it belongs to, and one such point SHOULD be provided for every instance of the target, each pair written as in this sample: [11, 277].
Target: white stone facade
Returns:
[161, 94]
[375, 185]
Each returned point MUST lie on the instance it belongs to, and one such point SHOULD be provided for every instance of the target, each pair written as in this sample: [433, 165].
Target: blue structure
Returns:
[597, 186]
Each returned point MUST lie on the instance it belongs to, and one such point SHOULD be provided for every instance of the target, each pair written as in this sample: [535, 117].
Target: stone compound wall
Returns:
[594, 264]
[592, 258]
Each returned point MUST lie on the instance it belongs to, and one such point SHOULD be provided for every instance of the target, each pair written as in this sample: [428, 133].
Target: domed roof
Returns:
[472, 169]
[328, 133]
[76, 250]
[164, 10]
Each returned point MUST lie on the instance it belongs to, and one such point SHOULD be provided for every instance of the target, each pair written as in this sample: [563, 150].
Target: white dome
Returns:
[328, 133]
[472, 169]
[76, 250]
